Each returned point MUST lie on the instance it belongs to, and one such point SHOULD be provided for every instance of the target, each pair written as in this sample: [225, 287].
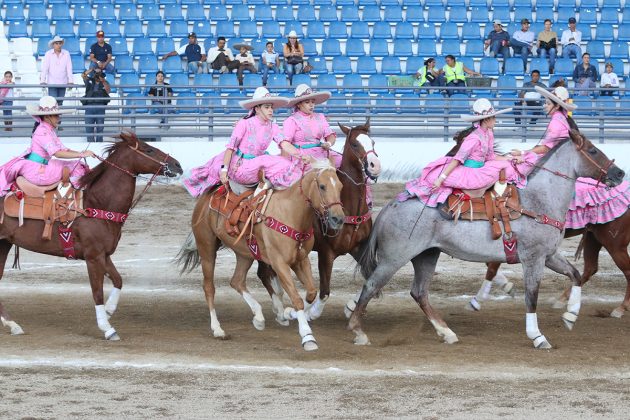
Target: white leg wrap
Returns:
[575, 299]
[217, 331]
[259, 318]
[474, 304]
[500, 280]
[531, 326]
[112, 301]
[540, 341]
[276, 304]
[445, 332]
[103, 322]
[317, 308]
[290, 314]
[484, 291]
[303, 326]
[15, 328]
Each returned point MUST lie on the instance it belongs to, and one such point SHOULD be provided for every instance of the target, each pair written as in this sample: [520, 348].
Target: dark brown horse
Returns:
[614, 236]
[359, 163]
[110, 186]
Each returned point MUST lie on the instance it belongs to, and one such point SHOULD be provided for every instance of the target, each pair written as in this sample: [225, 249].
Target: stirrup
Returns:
[500, 187]
[262, 186]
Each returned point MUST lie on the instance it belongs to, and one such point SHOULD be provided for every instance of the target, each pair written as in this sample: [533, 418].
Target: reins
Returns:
[321, 215]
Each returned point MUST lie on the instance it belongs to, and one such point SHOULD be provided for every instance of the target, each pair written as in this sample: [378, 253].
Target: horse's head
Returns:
[360, 145]
[322, 190]
[593, 163]
[145, 159]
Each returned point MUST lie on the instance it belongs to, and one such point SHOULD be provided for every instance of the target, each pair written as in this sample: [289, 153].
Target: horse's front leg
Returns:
[560, 265]
[532, 276]
[5, 318]
[269, 279]
[114, 295]
[325, 260]
[96, 270]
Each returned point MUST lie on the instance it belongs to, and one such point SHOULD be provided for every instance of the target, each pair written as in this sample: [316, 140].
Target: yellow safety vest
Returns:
[423, 76]
[453, 73]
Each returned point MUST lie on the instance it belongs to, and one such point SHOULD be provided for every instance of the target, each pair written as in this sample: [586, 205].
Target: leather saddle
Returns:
[58, 202]
[239, 204]
[501, 202]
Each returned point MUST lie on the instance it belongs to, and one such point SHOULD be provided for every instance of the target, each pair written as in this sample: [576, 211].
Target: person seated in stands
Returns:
[585, 76]
[570, 41]
[6, 99]
[160, 94]
[245, 61]
[498, 41]
[220, 57]
[293, 53]
[609, 81]
[428, 75]
[101, 54]
[455, 74]
[547, 45]
[530, 98]
[195, 55]
[270, 62]
[522, 42]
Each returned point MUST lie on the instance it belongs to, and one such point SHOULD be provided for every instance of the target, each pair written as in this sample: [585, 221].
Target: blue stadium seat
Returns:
[521, 13]
[540, 64]
[471, 32]
[609, 16]
[232, 104]
[377, 83]
[360, 102]
[173, 12]
[293, 25]
[371, 14]
[278, 45]
[426, 49]
[187, 104]
[37, 12]
[410, 104]
[285, 13]
[352, 83]
[319, 65]
[251, 81]
[83, 12]
[595, 49]
[156, 29]
[65, 28]
[391, 65]
[426, 31]
[459, 103]
[337, 104]
[455, 3]
[429, 3]
[605, 106]
[451, 46]
[449, 30]
[366, 65]
[386, 104]
[331, 48]
[403, 48]
[196, 13]
[348, 14]
[415, 14]
[619, 49]
[404, 30]
[217, 13]
[625, 17]
[258, 46]
[277, 82]
[543, 13]
[392, 14]
[78, 64]
[327, 82]
[14, 12]
[225, 29]
[588, 16]
[359, 30]
[584, 106]
[586, 32]
[458, 14]
[135, 103]
[40, 28]
[306, 13]
[328, 14]
[475, 49]
[413, 64]
[436, 14]
[150, 12]
[60, 12]
[133, 29]
[128, 12]
[564, 67]
[105, 12]
[382, 30]
[338, 30]
[315, 30]
[173, 65]
[514, 66]
[178, 29]
[604, 32]
[501, 13]
[72, 45]
[163, 46]
[142, 47]
[490, 66]
[203, 82]
[233, 41]
[202, 29]
[111, 28]
[262, 13]
[17, 29]
[344, 3]
[341, 65]
[379, 48]
[240, 13]
[363, 3]
[132, 81]
[506, 82]
[564, 13]
[479, 15]
[624, 106]
[355, 48]
[302, 78]
[124, 65]
[310, 47]
[478, 3]
[211, 103]
[623, 32]
[248, 29]
[42, 45]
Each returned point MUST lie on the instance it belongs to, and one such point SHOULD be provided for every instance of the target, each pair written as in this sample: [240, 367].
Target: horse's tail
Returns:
[188, 256]
[368, 260]
[580, 249]
[16, 259]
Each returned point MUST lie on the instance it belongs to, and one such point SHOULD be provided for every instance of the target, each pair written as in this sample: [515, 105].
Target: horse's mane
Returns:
[95, 173]
[541, 162]
[321, 164]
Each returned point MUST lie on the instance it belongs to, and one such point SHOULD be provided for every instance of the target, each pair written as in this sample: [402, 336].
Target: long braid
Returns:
[35, 126]
[459, 139]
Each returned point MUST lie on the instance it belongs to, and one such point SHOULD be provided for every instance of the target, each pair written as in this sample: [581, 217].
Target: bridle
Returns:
[325, 207]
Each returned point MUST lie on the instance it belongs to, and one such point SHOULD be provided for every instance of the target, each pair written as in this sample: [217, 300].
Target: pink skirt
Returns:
[38, 173]
[594, 204]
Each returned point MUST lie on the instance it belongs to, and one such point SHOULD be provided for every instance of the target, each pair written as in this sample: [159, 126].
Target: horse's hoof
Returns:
[221, 335]
[113, 337]
[509, 289]
[617, 313]
[362, 340]
[310, 346]
[282, 321]
[348, 310]
[451, 339]
[473, 305]
[569, 320]
[288, 312]
[258, 324]
[542, 343]
[17, 330]
[559, 304]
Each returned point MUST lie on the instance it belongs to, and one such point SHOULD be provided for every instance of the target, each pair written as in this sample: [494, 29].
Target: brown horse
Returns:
[317, 192]
[110, 187]
[359, 163]
[614, 236]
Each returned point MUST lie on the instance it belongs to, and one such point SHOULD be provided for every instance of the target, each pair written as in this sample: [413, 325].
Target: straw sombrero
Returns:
[559, 96]
[262, 96]
[482, 109]
[46, 106]
[57, 38]
[239, 46]
[303, 92]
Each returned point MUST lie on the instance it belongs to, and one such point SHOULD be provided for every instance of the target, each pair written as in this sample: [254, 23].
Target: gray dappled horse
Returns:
[410, 231]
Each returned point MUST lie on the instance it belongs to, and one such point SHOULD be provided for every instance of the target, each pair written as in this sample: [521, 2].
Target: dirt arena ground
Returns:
[167, 364]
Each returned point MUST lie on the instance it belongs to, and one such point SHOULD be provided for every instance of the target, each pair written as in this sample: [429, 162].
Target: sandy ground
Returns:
[167, 364]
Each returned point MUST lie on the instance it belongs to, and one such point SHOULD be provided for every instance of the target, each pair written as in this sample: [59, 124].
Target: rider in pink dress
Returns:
[245, 153]
[42, 164]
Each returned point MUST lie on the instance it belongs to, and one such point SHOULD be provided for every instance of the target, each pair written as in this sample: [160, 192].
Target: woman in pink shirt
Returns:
[246, 152]
[56, 69]
[6, 102]
[41, 163]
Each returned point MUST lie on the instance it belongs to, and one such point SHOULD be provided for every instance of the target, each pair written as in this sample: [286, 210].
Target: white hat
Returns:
[239, 46]
[57, 38]
[497, 22]
[262, 96]
[560, 96]
[482, 109]
[532, 96]
[47, 106]
[292, 34]
[303, 92]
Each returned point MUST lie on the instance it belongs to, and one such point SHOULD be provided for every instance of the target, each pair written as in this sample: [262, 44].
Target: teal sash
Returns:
[308, 146]
[36, 158]
[473, 163]
[246, 155]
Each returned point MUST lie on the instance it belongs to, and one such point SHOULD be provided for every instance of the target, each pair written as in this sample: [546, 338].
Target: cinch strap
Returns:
[287, 230]
[308, 146]
[36, 158]
[470, 163]
[106, 215]
[357, 220]
[246, 155]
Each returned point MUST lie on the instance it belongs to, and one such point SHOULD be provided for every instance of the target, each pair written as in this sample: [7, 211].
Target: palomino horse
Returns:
[109, 191]
[410, 231]
[317, 192]
[614, 236]
[359, 162]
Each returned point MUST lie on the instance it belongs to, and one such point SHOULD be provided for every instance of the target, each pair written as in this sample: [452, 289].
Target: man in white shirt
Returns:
[522, 42]
[570, 41]
[220, 57]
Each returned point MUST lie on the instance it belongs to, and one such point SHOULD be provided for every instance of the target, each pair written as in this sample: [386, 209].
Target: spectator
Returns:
[96, 98]
[570, 41]
[245, 61]
[523, 41]
[161, 92]
[609, 80]
[530, 98]
[559, 83]
[195, 55]
[6, 96]
[455, 74]
[548, 45]
[101, 54]
[428, 75]
[293, 53]
[498, 41]
[221, 58]
[585, 75]
[270, 61]
[56, 69]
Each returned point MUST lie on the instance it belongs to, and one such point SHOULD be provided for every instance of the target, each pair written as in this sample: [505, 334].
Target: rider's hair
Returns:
[252, 112]
[572, 124]
[459, 139]
[35, 126]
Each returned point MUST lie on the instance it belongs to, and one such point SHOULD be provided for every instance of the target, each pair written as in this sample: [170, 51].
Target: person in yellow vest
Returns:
[455, 74]
[428, 75]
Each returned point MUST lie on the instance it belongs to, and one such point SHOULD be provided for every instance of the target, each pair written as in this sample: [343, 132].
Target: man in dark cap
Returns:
[195, 55]
[101, 54]
[570, 41]
[522, 42]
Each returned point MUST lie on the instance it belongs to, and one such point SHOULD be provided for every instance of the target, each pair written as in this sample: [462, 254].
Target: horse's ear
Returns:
[345, 129]
[367, 124]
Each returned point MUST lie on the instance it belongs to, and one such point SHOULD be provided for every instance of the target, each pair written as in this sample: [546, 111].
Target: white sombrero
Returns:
[559, 95]
[47, 106]
[303, 92]
[262, 96]
[57, 38]
[482, 109]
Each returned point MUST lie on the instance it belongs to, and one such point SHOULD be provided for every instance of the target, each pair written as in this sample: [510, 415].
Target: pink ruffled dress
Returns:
[479, 169]
[37, 163]
[306, 132]
[249, 141]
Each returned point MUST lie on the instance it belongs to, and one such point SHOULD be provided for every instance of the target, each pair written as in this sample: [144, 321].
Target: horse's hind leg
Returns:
[114, 295]
[207, 247]
[621, 258]
[5, 247]
[325, 260]
[560, 265]
[269, 279]
[238, 283]
[424, 267]
[493, 276]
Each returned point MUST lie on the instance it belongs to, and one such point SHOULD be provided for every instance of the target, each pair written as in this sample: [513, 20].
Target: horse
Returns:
[358, 164]
[109, 193]
[614, 236]
[317, 192]
[411, 231]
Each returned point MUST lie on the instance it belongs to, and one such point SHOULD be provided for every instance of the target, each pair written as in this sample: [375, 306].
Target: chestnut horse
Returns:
[317, 192]
[358, 164]
[614, 236]
[110, 186]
